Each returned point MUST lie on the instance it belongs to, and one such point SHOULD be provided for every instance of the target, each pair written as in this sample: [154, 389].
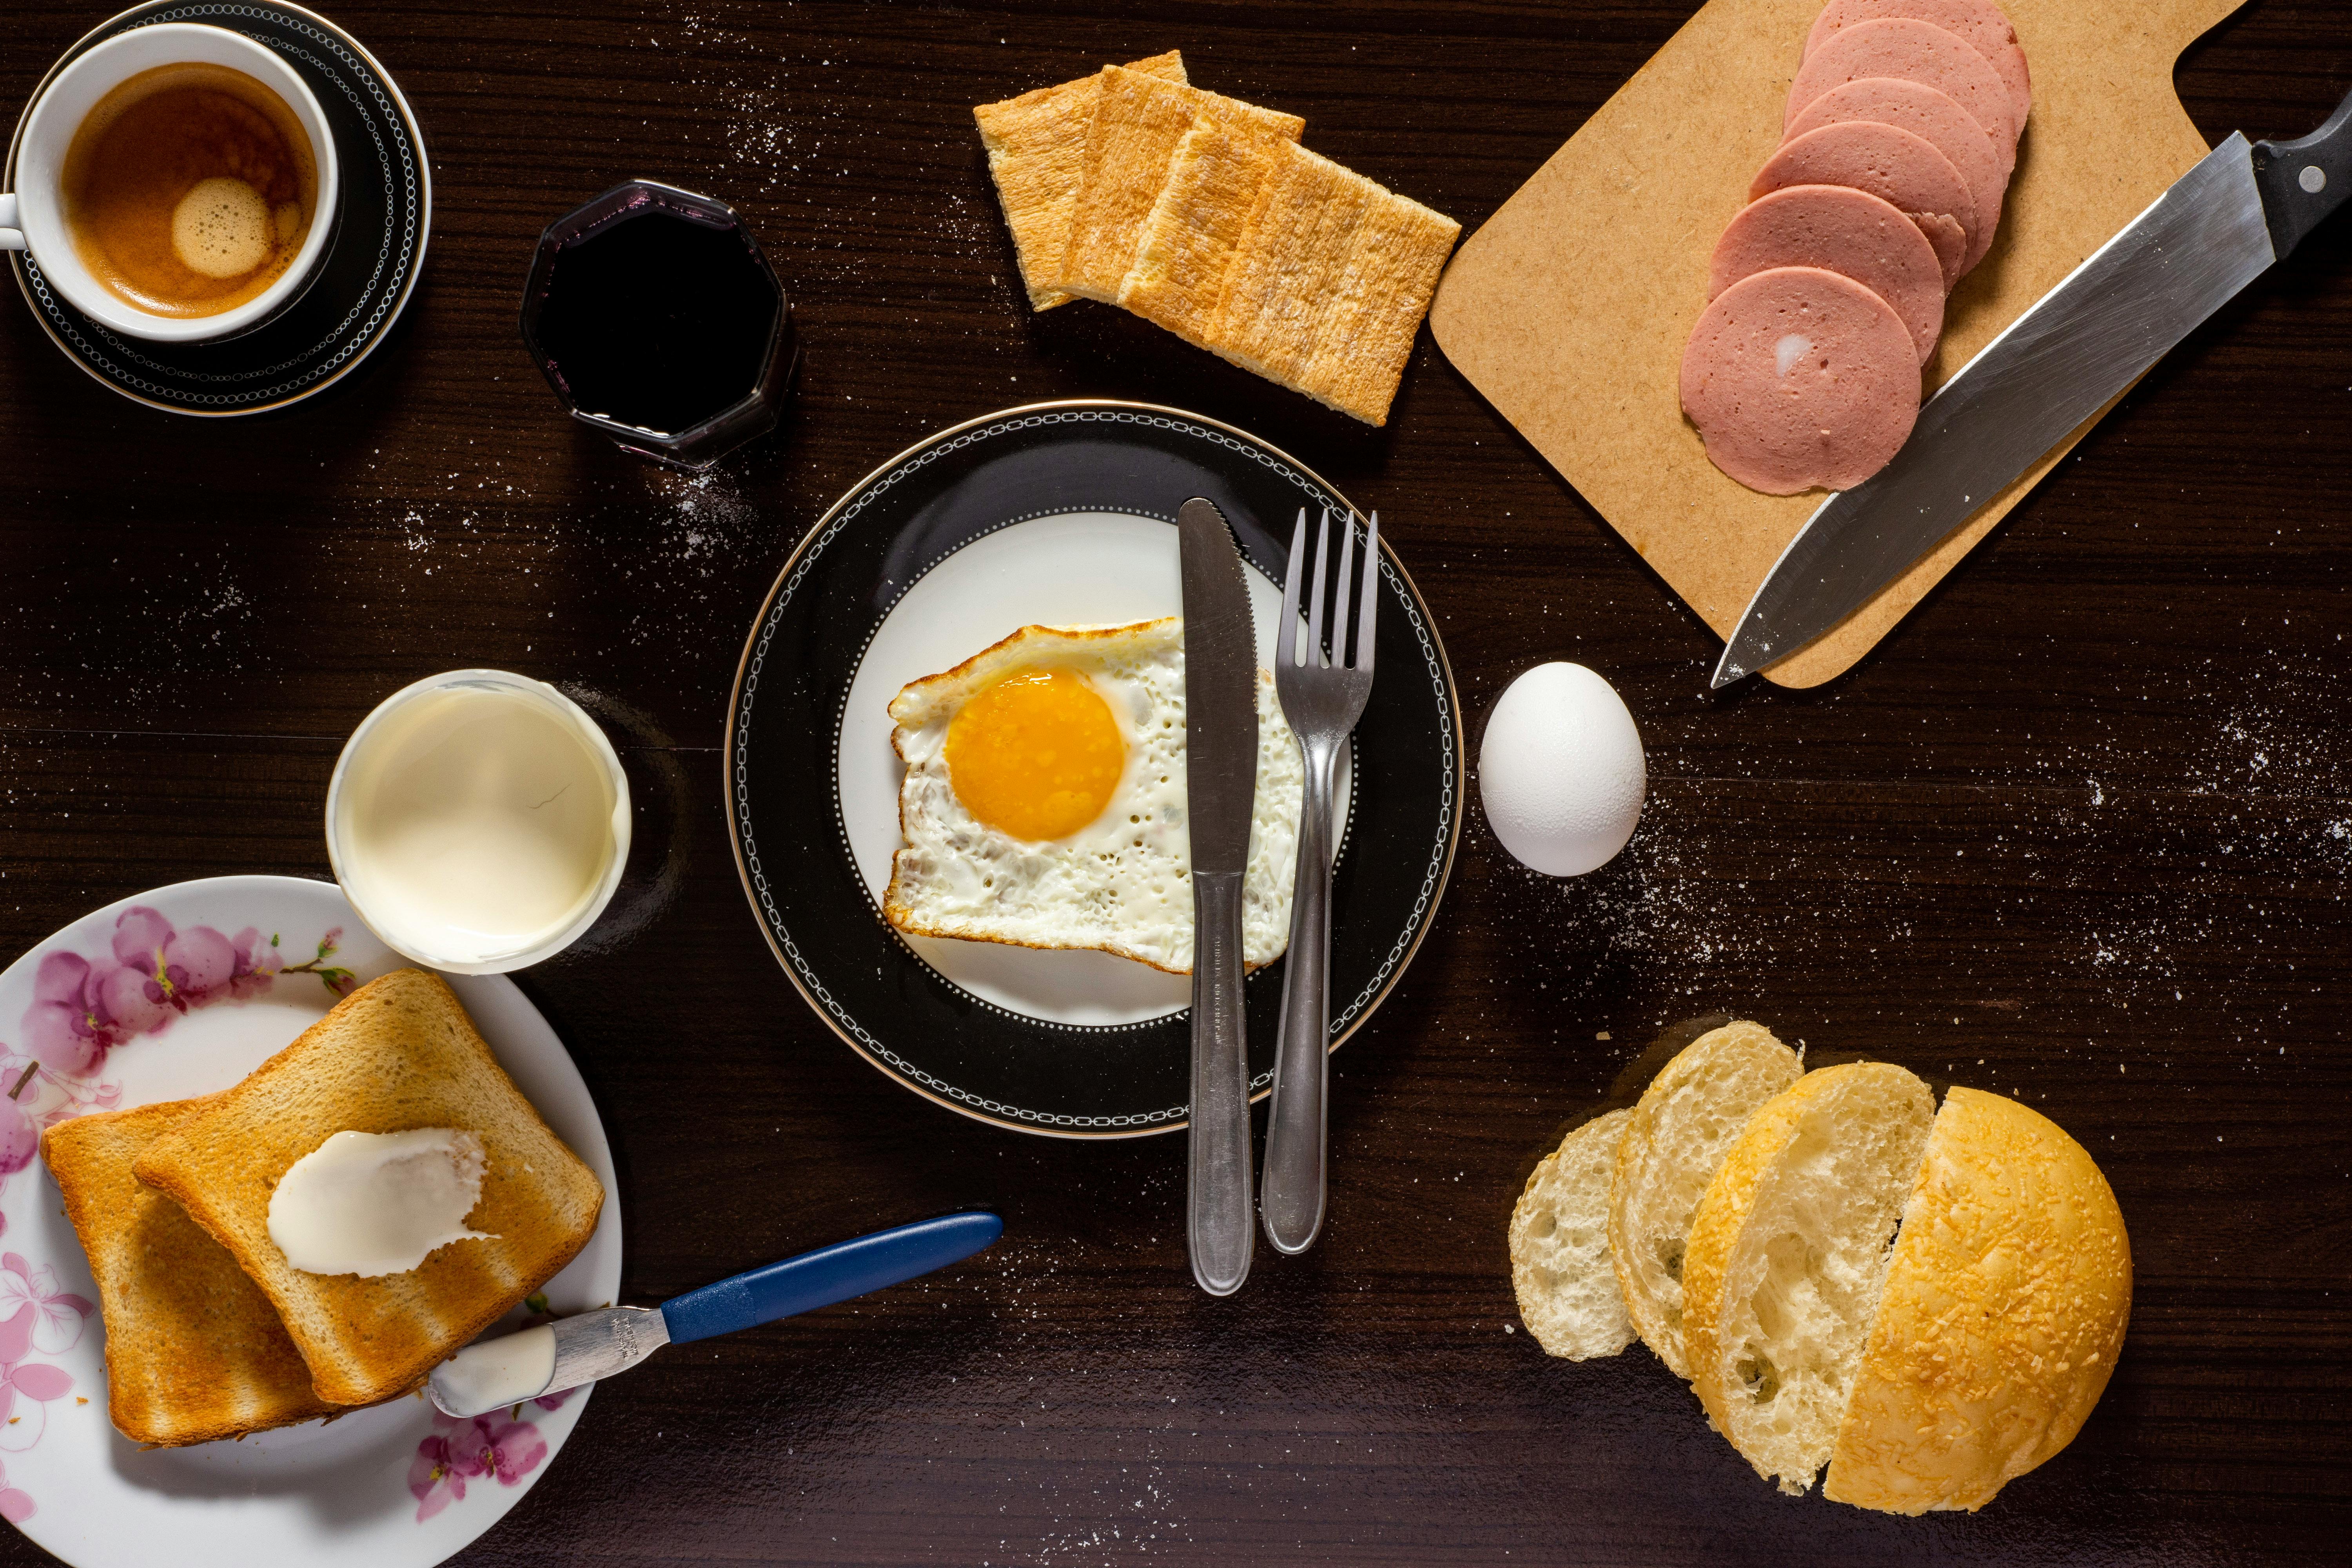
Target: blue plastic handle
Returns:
[830, 1274]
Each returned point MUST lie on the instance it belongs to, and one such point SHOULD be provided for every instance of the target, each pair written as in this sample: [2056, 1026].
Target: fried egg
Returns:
[1043, 800]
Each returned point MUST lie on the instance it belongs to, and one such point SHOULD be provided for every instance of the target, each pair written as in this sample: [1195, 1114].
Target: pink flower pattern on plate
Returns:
[83, 1007]
[35, 1315]
[486, 1445]
[14, 1506]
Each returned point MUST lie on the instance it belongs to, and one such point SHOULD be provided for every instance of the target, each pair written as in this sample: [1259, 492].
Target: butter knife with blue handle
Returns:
[589, 1346]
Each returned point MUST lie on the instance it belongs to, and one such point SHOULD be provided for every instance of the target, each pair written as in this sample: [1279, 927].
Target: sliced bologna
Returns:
[1915, 51]
[1929, 115]
[1845, 231]
[1893, 165]
[1980, 24]
[1799, 378]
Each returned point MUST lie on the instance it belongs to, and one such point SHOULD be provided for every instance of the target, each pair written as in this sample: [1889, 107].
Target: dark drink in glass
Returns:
[656, 319]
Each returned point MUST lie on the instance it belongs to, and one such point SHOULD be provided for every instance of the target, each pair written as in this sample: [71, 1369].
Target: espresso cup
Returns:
[34, 216]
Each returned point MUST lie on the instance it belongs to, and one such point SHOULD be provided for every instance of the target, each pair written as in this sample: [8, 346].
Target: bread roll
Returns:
[1693, 1111]
[1787, 1256]
[2003, 1312]
[1560, 1247]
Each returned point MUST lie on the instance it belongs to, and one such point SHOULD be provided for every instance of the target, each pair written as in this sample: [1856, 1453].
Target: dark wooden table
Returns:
[2081, 829]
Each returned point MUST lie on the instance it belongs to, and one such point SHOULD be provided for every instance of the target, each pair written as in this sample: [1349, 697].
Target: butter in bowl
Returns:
[479, 821]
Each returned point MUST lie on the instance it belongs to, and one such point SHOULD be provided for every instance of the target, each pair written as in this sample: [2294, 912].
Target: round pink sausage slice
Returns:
[1892, 165]
[1915, 51]
[1929, 115]
[1841, 230]
[1798, 378]
[1980, 24]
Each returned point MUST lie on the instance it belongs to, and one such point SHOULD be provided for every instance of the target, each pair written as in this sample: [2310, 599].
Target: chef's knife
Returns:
[1220, 788]
[589, 1346]
[2216, 230]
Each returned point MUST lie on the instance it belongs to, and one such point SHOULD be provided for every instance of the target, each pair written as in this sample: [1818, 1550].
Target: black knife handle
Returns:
[2302, 182]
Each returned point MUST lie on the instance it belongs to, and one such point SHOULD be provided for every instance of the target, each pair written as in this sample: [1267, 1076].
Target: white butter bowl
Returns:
[377, 780]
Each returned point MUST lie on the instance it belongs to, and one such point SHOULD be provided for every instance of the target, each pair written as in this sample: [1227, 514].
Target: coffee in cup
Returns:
[174, 182]
[189, 189]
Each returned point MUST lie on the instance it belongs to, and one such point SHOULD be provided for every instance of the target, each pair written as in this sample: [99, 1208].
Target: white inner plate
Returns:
[1080, 568]
[398, 1486]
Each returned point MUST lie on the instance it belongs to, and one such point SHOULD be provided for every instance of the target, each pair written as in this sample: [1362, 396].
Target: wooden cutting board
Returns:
[1568, 309]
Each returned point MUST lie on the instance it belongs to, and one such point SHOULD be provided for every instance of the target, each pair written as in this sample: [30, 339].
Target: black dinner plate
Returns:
[386, 211]
[784, 725]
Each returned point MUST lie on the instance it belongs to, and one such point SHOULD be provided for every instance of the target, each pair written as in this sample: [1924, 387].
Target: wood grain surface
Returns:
[2080, 829]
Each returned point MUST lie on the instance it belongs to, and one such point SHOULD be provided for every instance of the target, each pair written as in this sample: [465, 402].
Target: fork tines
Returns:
[1363, 596]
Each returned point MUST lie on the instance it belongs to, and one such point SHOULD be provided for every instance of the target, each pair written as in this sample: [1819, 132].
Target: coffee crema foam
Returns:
[189, 189]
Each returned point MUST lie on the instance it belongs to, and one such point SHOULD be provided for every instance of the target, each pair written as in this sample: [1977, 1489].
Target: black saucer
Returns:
[387, 213]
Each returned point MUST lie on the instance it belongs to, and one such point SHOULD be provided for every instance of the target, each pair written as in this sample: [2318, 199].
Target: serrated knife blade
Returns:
[2214, 231]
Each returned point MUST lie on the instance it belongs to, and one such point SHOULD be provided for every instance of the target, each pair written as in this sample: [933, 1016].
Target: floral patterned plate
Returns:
[180, 991]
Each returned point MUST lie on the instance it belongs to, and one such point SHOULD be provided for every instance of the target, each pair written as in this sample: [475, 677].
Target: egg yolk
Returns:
[1037, 754]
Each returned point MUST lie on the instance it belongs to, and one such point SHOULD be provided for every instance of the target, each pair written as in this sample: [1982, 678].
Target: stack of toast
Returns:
[210, 1333]
[1204, 215]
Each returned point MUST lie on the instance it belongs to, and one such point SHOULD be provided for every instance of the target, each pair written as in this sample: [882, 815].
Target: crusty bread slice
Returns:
[396, 1054]
[1276, 291]
[1188, 243]
[1139, 121]
[1788, 1253]
[1328, 284]
[1560, 1247]
[1379, 295]
[193, 1349]
[1690, 1115]
[2002, 1314]
[1036, 151]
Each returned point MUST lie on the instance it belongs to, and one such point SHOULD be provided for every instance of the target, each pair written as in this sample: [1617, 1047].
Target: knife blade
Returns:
[1220, 789]
[2196, 246]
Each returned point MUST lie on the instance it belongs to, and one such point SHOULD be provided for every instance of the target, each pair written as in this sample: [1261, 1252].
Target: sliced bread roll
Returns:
[1560, 1247]
[1788, 1255]
[2003, 1310]
[1692, 1112]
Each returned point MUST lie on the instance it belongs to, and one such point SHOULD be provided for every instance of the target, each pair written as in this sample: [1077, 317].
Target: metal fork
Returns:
[1322, 701]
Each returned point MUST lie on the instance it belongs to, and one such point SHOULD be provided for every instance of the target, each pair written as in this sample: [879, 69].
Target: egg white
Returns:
[1121, 884]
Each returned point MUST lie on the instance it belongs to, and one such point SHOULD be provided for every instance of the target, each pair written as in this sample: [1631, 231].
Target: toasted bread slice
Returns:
[1188, 243]
[1788, 1258]
[1036, 151]
[1130, 145]
[1276, 291]
[1560, 1247]
[1328, 284]
[2002, 1314]
[193, 1349]
[394, 1054]
[1690, 1115]
[1377, 298]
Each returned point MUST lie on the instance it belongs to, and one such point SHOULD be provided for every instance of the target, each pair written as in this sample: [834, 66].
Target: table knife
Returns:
[589, 1346]
[1221, 788]
[2217, 229]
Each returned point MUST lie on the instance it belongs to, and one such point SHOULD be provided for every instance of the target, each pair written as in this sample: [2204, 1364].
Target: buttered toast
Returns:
[194, 1351]
[396, 1055]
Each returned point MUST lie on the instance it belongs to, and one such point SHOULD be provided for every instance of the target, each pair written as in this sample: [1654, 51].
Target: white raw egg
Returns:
[1561, 770]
